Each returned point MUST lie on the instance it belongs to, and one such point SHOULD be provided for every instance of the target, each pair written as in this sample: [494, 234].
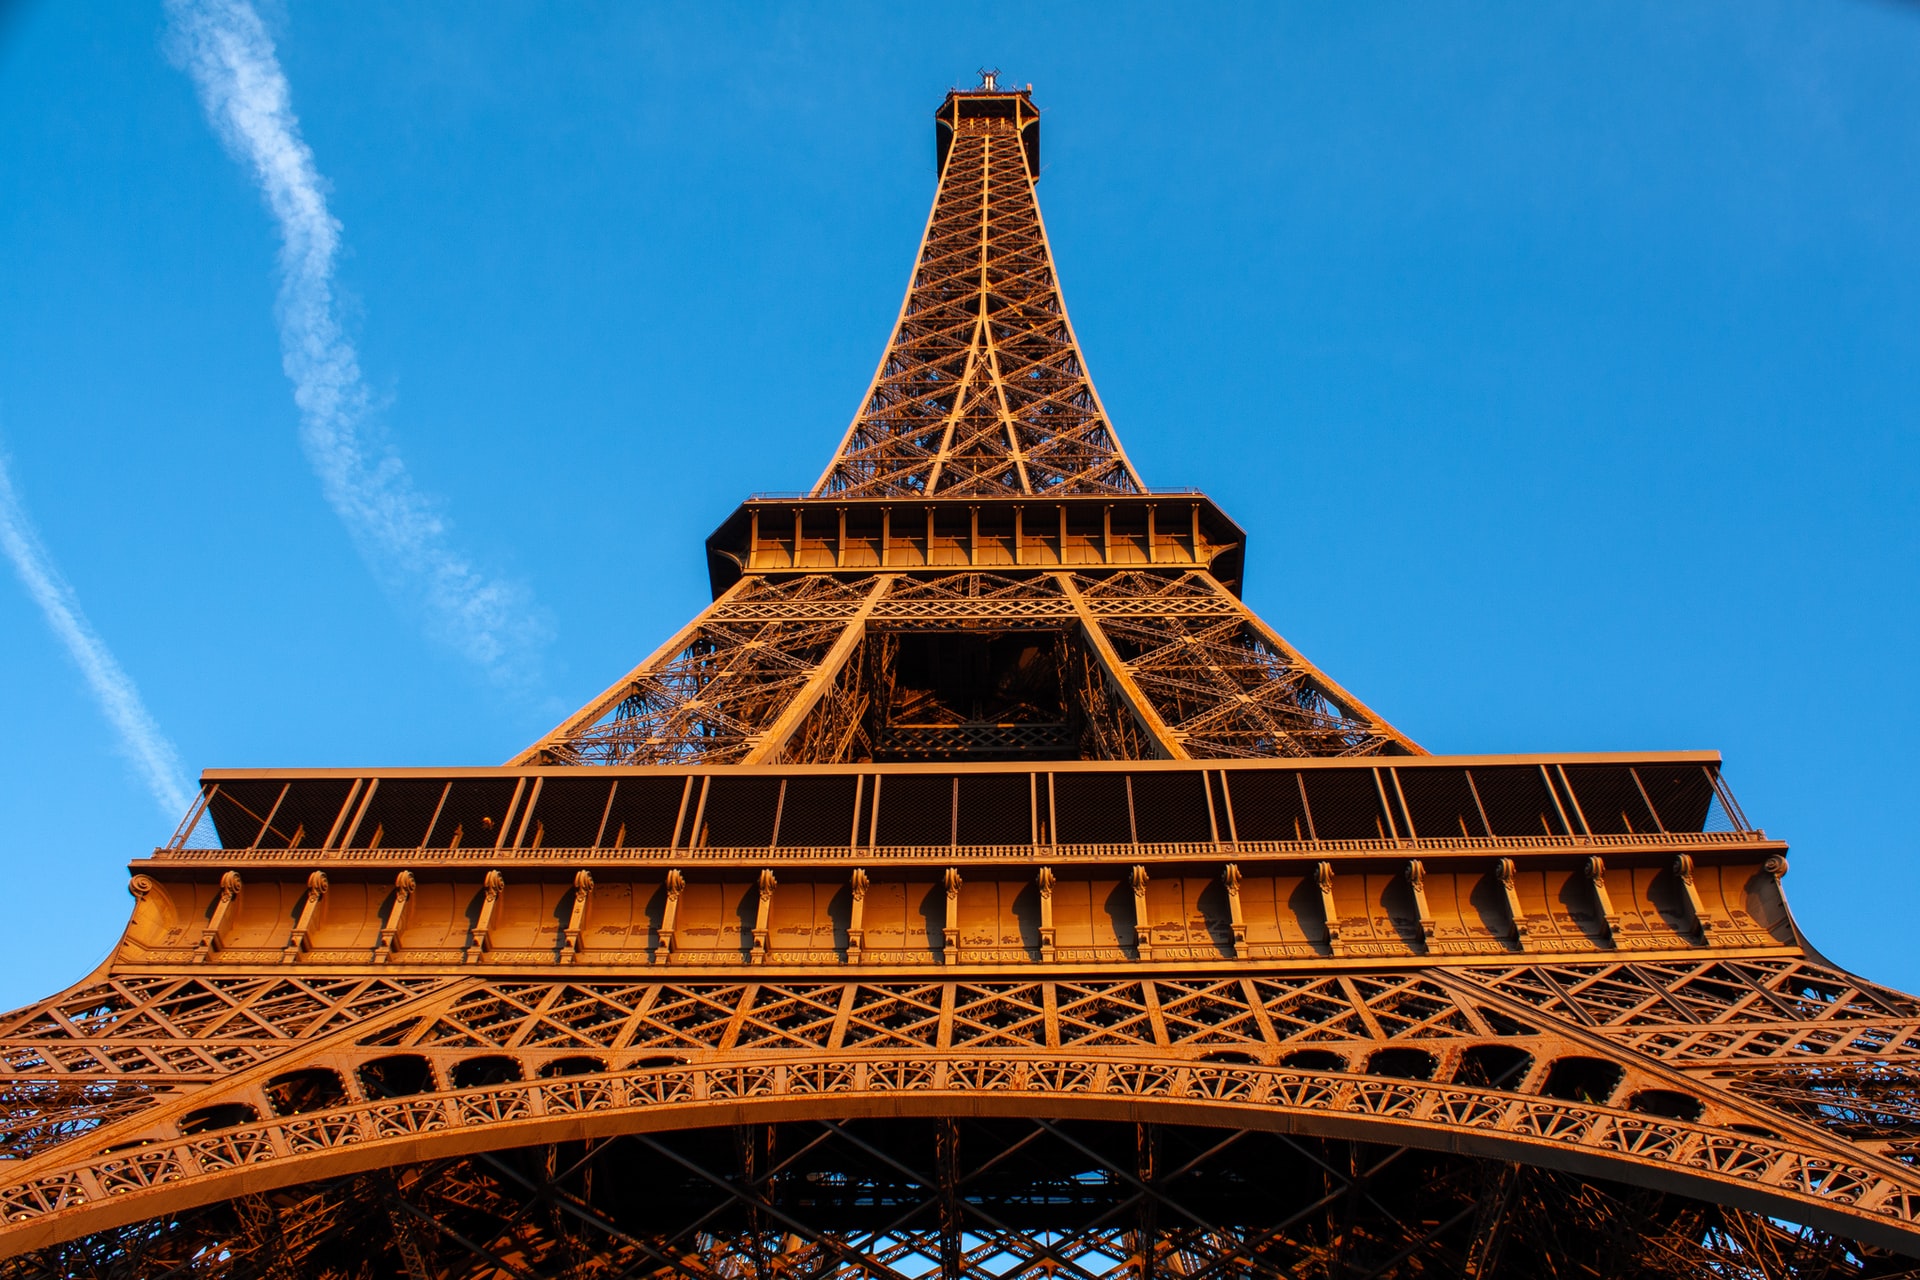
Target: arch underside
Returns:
[1771, 1087]
[901, 1198]
[227, 1163]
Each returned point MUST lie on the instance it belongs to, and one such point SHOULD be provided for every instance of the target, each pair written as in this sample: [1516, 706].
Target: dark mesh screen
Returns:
[307, 815]
[1609, 800]
[1345, 804]
[1091, 808]
[643, 813]
[568, 813]
[818, 811]
[472, 814]
[1681, 792]
[916, 808]
[1266, 805]
[240, 809]
[398, 815]
[740, 812]
[1440, 803]
[1517, 801]
[1170, 808]
[996, 808]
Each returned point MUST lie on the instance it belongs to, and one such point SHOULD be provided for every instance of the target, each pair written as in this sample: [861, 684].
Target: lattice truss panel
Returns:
[1062, 702]
[982, 389]
[1217, 682]
[1809, 1042]
[805, 669]
[1024, 714]
[1784, 1075]
[1010, 1200]
[713, 695]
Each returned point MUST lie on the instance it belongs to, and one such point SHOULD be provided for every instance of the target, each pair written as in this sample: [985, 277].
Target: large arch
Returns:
[987, 1199]
[1765, 1173]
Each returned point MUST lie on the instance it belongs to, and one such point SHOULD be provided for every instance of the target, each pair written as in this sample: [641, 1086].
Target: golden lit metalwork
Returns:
[976, 887]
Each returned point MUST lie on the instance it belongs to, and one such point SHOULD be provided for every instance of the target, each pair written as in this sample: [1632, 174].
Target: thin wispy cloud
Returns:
[140, 738]
[399, 530]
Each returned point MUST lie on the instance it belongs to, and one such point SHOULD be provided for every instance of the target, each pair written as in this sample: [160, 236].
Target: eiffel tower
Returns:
[975, 888]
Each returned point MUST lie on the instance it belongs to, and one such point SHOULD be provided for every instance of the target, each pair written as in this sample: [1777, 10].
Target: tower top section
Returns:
[982, 390]
[989, 102]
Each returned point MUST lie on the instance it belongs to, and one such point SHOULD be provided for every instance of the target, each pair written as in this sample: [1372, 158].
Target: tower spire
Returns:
[982, 389]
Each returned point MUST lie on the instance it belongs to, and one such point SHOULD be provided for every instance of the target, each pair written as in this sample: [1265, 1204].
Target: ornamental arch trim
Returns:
[1767, 1175]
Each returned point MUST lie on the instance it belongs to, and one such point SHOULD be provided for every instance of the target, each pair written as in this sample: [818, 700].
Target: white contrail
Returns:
[398, 529]
[140, 737]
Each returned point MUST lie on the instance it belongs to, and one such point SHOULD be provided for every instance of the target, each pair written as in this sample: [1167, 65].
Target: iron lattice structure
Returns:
[975, 888]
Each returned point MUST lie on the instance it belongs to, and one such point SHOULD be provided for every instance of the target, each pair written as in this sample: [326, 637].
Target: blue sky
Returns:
[1562, 360]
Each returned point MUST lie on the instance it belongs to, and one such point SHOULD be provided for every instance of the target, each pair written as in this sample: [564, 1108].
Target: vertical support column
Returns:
[856, 916]
[1142, 931]
[1236, 915]
[1323, 878]
[577, 919]
[1416, 874]
[526, 816]
[669, 914]
[1566, 784]
[1775, 869]
[1386, 809]
[1044, 880]
[766, 887]
[1146, 1152]
[403, 887]
[950, 925]
[491, 888]
[223, 908]
[303, 925]
[1597, 877]
[1683, 871]
[513, 807]
[1503, 871]
[946, 1159]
